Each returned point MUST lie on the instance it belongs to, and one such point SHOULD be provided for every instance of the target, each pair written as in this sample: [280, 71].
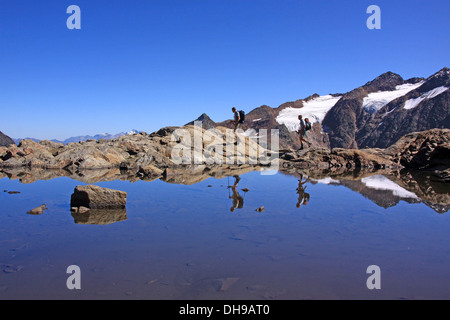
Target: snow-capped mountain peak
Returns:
[133, 131]
[377, 100]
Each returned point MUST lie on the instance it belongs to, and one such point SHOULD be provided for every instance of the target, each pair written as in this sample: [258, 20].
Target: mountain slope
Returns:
[355, 108]
[425, 107]
[5, 141]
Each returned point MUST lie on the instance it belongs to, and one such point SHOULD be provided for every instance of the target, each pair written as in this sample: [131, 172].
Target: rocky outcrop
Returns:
[159, 154]
[204, 120]
[337, 159]
[148, 154]
[428, 150]
[5, 141]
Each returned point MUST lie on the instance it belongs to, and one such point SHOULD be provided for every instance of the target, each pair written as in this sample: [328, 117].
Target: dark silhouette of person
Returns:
[303, 197]
[238, 200]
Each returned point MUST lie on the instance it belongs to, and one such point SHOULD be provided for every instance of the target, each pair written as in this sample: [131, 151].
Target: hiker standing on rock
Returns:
[302, 132]
[239, 117]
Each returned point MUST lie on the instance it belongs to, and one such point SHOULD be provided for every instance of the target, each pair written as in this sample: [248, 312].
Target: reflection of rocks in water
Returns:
[377, 188]
[433, 192]
[99, 216]
[30, 175]
[420, 186]
[381, 191]
[387, 188]
[188, 175]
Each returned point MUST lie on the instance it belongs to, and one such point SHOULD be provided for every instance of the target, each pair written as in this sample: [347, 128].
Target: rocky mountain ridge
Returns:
[5, 141]
[376, 114]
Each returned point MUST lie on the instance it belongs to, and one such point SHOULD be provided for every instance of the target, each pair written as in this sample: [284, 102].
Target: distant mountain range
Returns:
[376, 114]
[105, 136]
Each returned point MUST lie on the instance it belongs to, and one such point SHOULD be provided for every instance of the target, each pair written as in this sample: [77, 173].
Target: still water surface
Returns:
[199, 242]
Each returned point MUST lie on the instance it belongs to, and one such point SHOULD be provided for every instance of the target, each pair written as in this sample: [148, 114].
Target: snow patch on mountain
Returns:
[377, 100]
[314, 109]
[412, 103]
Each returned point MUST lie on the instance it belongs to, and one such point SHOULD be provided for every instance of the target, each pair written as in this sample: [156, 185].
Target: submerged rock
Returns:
[223, 284]
[38, 211]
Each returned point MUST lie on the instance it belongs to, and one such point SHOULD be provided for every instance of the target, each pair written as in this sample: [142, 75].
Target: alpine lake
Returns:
[312, 237]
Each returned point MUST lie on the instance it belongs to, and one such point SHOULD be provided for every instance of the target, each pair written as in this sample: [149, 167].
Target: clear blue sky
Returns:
[147, 64]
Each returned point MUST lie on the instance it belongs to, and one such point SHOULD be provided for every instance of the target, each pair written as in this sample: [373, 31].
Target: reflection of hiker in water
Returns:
[238, 200]
[303, 197]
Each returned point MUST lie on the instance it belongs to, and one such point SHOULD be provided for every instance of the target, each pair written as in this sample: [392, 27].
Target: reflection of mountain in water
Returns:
[389, 189]
[377, 188]
[431, 190]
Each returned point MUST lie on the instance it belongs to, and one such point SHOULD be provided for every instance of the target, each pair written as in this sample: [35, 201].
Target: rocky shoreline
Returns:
[150, 156]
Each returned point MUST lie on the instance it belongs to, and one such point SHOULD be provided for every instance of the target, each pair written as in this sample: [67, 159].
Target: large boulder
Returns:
[95, 197]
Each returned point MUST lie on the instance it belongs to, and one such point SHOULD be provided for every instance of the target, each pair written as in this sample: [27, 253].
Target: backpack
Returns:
[241, 116]
[307, 124]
